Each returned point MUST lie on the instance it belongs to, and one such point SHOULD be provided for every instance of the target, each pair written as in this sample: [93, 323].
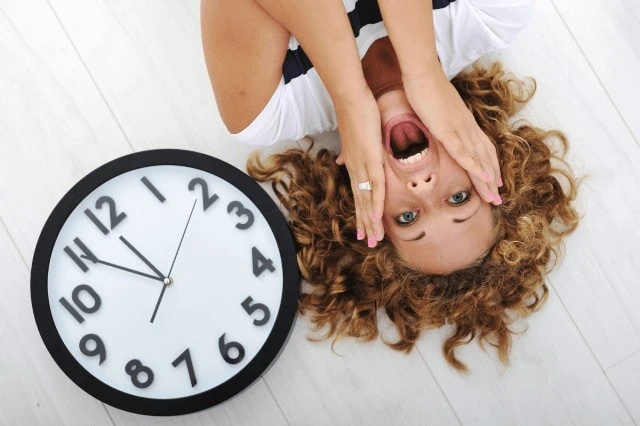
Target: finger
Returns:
[481, 189]
[489, 164]
[461, 150]
[360, 228]
[364, 202]
[481, 185]
[359, 223]
[493, 156]
[478, 155]
[493, 184]
[377, 178]
[364, 197]
[361, 204]
[340, 160]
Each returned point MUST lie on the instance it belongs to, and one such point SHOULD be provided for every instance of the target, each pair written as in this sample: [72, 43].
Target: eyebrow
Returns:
[422, 234]
[462, 220]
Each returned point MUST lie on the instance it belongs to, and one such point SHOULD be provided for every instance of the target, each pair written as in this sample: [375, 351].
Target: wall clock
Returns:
[165, 282]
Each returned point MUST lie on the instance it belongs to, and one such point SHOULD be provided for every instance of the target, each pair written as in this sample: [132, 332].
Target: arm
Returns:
[411, 33]
[323, 30]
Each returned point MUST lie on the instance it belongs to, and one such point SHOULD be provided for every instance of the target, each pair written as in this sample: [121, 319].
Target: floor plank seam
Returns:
[595, 358]
[95, 83]
[620, 399]
[276, 401]
[623, 360]
[13, 242]
[615, 106]
[575, 325]
[424, 360]
[108, 413]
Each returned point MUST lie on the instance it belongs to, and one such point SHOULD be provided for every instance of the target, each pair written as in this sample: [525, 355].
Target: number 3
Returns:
[242, 211]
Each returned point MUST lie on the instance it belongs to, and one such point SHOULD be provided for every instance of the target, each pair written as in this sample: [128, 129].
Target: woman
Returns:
[424, 158]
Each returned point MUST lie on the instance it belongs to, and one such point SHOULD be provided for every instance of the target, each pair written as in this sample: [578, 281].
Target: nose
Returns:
[421, 182]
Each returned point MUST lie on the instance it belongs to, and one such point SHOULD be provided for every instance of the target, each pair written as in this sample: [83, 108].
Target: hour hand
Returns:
[113, 265]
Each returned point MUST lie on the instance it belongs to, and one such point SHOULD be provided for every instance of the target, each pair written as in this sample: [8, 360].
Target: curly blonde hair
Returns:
[349, 281]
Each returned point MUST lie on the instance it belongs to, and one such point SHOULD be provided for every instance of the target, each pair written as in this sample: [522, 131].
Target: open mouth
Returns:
[408, 142]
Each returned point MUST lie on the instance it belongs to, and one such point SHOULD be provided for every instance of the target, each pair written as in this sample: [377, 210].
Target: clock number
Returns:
[153, 189]
[242, 211]
[75, 296]
[246, 304]
[260, 263]
[85, 250]
[134, 368]
[114, 217]
[186, 357]
[98, 350]
[225, 348]
[96, 221]
[206, 200]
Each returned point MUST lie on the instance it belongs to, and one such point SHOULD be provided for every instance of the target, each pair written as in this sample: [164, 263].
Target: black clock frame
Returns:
[150, 406]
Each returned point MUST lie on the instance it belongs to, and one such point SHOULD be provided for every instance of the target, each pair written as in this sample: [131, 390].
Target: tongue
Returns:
[405, 134]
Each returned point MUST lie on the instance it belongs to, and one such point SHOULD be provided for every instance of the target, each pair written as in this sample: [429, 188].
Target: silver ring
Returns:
[364, 185]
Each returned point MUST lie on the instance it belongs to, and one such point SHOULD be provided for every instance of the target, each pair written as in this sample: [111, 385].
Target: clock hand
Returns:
[168, 280]
[155, 310]
[144, 259]
[113, 265]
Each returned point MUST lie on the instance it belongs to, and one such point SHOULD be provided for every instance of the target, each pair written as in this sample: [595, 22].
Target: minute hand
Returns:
[113, 265]
[144, 259]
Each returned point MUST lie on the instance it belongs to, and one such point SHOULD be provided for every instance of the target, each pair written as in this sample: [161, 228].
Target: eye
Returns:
[459, 199]
[410, 217]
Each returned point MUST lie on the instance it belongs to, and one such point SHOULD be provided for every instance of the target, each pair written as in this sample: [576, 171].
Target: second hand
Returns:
[168, 280]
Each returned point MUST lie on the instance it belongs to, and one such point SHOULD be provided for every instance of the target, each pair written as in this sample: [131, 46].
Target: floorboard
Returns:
[85, 82]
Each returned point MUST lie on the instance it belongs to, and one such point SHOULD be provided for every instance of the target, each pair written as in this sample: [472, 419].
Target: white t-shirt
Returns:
[464, 31]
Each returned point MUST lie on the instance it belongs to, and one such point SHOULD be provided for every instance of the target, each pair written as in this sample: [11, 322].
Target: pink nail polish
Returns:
[372, 243]
[492, 196]
[360, 235]
[498, 199]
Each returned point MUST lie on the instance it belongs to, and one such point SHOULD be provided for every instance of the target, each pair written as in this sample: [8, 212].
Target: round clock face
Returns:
[165, 282]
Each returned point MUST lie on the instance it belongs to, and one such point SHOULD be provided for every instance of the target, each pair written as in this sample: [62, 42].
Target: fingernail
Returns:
[500, 182]
[374, 217]
[492, 196]
[485, 176]
[360, 235]
[372, 243]
[498, 199]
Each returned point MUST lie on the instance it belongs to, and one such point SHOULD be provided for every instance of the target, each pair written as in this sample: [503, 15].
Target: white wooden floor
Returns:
[83, 82]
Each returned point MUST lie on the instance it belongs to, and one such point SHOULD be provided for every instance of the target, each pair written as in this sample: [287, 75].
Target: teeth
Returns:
[415, 158]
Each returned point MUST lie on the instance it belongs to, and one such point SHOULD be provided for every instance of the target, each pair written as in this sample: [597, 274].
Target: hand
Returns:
[442, 110]
[144, 259]
[168, 281]
[113, 265]
[362, 153]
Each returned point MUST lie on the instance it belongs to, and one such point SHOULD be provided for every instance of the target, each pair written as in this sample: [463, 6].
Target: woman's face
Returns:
[448, 225]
